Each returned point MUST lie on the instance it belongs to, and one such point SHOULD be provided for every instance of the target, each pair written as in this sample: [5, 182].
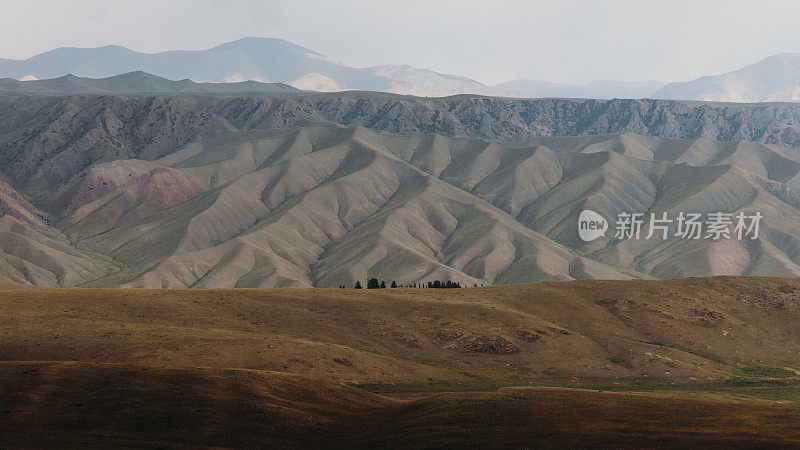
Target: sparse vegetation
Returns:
[405, 344]
[767, 372]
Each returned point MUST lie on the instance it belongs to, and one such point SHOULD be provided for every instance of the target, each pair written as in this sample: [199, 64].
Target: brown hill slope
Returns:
[697, 362]
[702, 328]
[142, 199]
[76, 405]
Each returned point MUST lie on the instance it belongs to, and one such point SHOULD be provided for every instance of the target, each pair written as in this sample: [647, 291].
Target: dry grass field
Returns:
[79, 405]
[699, 361]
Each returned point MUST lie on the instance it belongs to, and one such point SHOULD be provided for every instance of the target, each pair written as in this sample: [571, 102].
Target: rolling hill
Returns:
[699, 362]
[322, 206]
[191, 191]
[698, 331]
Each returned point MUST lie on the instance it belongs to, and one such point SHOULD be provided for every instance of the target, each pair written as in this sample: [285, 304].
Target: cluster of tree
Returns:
[373, 283]
[444, 284]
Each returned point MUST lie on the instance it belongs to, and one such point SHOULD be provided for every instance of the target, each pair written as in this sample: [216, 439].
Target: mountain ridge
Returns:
[325, 189]
[775, 78]
[149, 127]
[247, 59]
[324, 205]
[600, 89]
[136, 83]
[264, 60]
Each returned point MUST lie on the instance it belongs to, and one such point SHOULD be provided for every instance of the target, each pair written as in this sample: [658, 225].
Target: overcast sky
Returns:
[489, 40]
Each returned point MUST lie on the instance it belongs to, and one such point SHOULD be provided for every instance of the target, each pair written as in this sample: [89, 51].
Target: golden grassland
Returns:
[700, 361]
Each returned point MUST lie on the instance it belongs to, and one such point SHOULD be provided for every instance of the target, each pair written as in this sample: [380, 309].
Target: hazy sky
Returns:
[489, 40]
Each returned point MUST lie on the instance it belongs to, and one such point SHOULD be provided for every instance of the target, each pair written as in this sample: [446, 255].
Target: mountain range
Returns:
[326, 189]
[136, 83]
[249, 59]
[269, 60]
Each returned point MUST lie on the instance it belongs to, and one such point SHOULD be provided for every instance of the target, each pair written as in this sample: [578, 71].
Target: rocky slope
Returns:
[221, 192]
[26, 120]
[327, 206]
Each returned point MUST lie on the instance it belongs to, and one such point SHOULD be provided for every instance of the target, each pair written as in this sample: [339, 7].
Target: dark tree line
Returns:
[374, 283]
[443, 284]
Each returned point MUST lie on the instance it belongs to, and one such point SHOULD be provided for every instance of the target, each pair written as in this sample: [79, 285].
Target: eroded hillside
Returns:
[227, 192]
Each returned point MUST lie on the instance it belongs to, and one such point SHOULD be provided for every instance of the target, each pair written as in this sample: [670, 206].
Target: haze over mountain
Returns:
[136, 83]
[774, 79]
[256, 59]
[265, 191]
[269, 60]
[279, 61]
[601, 89]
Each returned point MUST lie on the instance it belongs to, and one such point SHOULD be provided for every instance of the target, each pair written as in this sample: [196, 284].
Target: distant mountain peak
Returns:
[263, 43]
[261, 59]
[771, 79]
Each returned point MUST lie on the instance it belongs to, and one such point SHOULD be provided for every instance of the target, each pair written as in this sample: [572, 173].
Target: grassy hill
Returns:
[701, 328]
[701, 361]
